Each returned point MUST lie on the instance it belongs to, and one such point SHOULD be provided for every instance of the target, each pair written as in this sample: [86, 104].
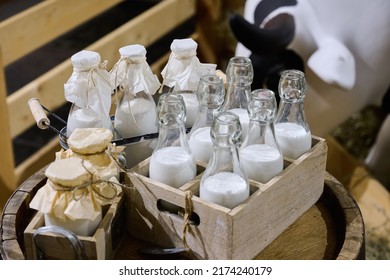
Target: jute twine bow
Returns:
[91, 183]
[90, 79]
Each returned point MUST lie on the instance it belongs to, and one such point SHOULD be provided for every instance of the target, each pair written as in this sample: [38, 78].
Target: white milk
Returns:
[225, 188]
[201, 144]
[293, 139]
[139, 119]
[172, 166]
[244, 119]
[261, 162]
[81, 227]
[192, 108]
[82, 118]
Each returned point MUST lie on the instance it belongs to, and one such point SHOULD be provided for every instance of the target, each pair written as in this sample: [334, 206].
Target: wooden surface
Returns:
[331, 229]
[371, 196]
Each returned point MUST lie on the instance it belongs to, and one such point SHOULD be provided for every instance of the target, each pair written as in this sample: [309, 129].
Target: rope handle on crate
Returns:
[39, 113]
[77, 246]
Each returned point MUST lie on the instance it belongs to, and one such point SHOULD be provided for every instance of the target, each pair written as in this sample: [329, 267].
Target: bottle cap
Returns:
[67, 172]
[133, 51]
[85, 59]
[89, 141]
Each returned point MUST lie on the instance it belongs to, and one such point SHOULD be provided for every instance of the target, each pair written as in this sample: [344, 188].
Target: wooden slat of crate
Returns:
[239, 233]
[98, 246]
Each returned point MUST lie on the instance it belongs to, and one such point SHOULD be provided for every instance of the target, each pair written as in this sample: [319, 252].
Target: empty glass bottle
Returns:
[224, 182]
[89, 89]
[210, 93]
[172, 161]
[239, 76]
[291, 128]
[260, 155]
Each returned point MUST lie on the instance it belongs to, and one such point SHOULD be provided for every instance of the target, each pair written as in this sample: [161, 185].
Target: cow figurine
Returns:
[343, 46]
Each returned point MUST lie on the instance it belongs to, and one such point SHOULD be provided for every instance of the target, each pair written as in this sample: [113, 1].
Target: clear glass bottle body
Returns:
[260, 155]
[291, 128]
[172, 161]
[239, 76]
[89, 91]
[135, 113]
[210, 93]
[224, 182]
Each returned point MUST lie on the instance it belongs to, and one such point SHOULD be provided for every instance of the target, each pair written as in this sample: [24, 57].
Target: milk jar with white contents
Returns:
[72, 197]
[224, 182]
[182, 73]
[172, 161]
[239, 77]
[260, 155]
[291, 128]
[135, 113]
[89, 89]
[211, 93]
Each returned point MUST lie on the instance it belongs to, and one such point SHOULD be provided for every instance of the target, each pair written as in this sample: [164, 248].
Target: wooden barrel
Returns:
[333, 228]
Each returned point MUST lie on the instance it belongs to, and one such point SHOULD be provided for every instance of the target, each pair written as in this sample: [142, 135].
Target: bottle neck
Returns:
[292, 111]
[172, 134]
[225, 158]
[237, 96]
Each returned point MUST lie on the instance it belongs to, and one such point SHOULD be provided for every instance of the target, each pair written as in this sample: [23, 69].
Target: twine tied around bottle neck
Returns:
[91, 70]
[80, 191]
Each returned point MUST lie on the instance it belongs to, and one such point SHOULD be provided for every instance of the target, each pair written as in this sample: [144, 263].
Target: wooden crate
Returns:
[217, 232]
[102, 245]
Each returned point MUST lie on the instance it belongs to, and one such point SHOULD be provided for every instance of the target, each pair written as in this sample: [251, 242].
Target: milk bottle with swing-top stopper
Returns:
[211, 93]
[172, 161]
[260, 155]
[291, 128]
[135, 113]
[89, 89]
[239, 76]
[224, 182]
[182, 74]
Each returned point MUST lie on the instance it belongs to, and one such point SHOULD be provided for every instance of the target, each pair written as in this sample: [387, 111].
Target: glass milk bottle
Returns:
[89, 90]
[172, 161]
[260, 155]
[291, 128]
[182, 74]
[211, 93]
[135, 113]
[67, 199]
[224, 182]
[239, 76]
